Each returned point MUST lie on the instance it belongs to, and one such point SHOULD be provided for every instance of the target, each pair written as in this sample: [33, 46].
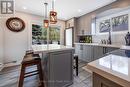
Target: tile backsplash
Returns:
[118, 38]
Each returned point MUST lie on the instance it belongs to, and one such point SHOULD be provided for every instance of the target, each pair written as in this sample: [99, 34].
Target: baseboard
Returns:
[12, 64]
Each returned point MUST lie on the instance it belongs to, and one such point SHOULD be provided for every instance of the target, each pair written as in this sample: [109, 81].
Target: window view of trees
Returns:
[39, 35]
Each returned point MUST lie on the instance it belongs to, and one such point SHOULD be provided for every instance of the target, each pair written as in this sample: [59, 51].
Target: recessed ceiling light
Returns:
[24, 8]
[79, 10]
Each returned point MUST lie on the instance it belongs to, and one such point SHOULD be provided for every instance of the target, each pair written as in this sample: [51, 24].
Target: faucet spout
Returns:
[109, 38]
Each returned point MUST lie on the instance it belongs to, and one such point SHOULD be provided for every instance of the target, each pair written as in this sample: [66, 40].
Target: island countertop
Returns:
[115, 67]
[50, 48]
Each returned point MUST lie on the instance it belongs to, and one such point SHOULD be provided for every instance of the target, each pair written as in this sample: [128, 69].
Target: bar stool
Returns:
[31, 59]
[76, 64]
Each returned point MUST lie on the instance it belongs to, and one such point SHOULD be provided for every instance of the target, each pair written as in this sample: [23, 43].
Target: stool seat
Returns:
[30, 58]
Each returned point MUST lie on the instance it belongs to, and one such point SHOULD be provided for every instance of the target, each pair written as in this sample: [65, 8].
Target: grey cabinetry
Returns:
[58, 68]
[83, 26]
[79, 50]
[98, 52]
[87, 53]
[84, 52]
[110, 49]
[80, 26]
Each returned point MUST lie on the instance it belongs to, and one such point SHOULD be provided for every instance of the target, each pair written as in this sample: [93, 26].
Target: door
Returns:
[69, 37]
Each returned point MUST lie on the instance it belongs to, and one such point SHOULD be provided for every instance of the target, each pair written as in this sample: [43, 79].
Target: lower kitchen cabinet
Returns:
[90, 53]
[110, 49]
[84, 52]
[97, 52]
[99, 81]
[79, 50]
[87, 53]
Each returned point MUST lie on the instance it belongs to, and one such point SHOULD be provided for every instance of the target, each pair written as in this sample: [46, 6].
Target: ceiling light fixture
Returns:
[46, 21]
[53, 14]
[24, 8]
[79, 10]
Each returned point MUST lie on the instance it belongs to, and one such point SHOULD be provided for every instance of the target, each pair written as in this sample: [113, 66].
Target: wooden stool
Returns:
[30, 60]
[76, 64]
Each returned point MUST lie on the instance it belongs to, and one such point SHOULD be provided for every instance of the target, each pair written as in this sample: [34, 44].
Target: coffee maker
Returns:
[127, 39]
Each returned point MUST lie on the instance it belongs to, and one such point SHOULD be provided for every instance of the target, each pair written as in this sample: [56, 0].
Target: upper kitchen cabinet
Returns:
[70, 23]
[84, 25]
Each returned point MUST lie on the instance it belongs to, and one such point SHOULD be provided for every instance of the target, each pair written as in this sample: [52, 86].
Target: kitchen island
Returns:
[112, 70]
[57, 61]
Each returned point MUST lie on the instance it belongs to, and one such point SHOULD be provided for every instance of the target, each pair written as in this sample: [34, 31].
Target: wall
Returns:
[15, 44]
[84, 22]
[1, 44]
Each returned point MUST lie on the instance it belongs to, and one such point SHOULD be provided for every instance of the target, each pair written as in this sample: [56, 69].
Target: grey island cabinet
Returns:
[112, 70]
[57, 61]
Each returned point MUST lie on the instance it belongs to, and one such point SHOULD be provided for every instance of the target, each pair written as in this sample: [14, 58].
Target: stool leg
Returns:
[77, 66]
[39, 66]
[21, 79]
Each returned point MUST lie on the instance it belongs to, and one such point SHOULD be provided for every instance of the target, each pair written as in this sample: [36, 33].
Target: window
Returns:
[39, 35]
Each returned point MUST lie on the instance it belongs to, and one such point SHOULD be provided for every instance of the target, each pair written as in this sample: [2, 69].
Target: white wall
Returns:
[15, 44]
[117, 37]
[1, 44]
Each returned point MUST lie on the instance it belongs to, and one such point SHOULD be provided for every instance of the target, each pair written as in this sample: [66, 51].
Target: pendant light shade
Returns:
[46, 21]
[53, 15]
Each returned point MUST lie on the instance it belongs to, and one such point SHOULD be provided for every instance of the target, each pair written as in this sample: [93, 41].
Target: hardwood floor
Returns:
[9, 77]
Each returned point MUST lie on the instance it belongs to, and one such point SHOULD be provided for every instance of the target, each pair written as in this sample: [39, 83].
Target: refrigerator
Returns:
[69, 37]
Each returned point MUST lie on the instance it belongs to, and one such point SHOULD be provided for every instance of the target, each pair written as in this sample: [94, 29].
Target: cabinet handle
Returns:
[81, 47]
[104, 50]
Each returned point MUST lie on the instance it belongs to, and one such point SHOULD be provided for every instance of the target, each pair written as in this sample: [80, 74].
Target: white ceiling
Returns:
[66, 8]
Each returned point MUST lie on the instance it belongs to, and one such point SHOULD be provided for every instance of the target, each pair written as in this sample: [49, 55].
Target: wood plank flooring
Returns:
[9, 77]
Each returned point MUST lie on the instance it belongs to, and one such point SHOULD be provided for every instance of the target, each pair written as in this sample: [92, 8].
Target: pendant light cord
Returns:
[53, 5]
[46, 10]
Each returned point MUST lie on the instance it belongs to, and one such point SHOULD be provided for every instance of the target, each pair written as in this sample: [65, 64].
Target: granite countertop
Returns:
[106, 45]
[50, 48]
[115, 67]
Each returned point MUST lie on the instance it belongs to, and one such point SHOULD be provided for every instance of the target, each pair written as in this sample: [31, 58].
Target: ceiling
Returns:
[66, 8]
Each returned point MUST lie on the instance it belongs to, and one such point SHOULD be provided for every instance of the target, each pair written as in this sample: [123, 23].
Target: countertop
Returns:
[115, 67]
[49, 48]
[106, 45]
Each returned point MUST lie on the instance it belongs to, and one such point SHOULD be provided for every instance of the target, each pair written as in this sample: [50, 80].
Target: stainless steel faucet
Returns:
[109, 38]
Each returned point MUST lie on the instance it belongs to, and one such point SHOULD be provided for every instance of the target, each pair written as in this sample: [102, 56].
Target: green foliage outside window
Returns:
[40, 34]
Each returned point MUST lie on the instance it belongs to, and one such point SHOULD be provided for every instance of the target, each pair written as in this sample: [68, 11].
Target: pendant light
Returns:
[46, 21]
[53, 15]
